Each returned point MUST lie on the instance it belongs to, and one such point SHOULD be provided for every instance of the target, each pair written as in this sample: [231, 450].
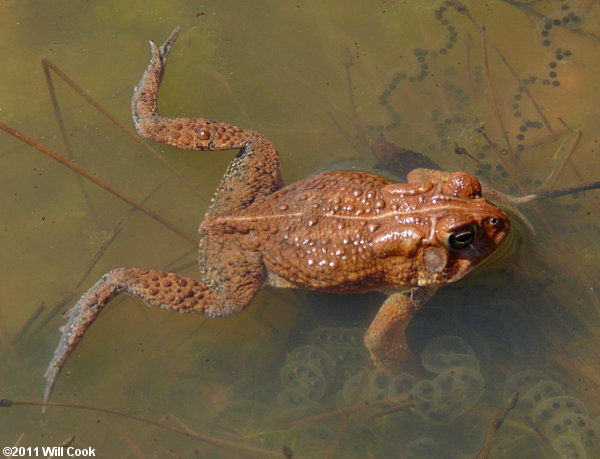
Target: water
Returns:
[279, 68]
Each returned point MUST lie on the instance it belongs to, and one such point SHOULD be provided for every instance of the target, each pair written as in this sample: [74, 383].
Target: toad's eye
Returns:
[462, 237]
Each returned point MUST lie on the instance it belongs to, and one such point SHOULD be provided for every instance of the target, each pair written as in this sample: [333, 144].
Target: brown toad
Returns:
[340, 232]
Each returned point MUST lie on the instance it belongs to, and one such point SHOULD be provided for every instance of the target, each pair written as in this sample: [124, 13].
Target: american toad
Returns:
[340, 232]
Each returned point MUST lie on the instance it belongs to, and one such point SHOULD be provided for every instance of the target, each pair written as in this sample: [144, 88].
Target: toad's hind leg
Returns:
[242, 277]
[253, 173]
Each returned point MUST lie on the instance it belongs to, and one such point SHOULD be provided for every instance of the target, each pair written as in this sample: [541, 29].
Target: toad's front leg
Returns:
[163, 289]
[385, 338]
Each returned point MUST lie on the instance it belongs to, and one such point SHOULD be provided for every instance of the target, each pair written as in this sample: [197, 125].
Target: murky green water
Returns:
[419, 76]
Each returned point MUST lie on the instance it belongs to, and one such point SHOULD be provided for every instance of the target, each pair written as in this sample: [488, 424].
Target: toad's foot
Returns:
[253, 173]
[187, 133]
[156, 288]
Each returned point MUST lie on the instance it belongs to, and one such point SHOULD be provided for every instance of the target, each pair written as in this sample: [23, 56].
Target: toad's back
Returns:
[317, 232]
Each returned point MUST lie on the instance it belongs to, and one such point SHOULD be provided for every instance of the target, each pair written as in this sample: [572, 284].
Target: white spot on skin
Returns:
[398, 235]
